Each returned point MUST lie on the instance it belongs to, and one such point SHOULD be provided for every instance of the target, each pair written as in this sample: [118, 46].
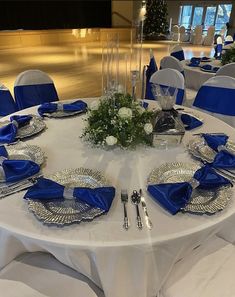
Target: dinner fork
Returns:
[124, 199]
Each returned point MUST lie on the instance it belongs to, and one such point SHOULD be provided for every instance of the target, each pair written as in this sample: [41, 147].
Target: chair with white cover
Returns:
[227, 70]
[209, 38]
[197, 35]
[175, 33]
[183, 36]
[218, 47]
[207, 272]
[7, 103]
[171, 62]
[40, 274]
[217, 97]
[170, 78]
[178, 52]
[34, 87]
[228, 40]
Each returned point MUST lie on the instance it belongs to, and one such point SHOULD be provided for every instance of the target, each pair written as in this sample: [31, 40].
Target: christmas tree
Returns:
[155, 18]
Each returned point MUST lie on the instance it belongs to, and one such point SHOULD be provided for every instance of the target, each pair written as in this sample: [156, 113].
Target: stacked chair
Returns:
[175, 33]
[209, 38]
[41, 275]
[197, 35]
[34, 87]
[184, 37]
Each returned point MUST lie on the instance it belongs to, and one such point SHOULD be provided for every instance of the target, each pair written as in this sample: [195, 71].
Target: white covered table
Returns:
[195, 77]
[123, 263]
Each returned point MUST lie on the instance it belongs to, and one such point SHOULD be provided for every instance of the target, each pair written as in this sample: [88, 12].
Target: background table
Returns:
[195, 77]
[124, 263]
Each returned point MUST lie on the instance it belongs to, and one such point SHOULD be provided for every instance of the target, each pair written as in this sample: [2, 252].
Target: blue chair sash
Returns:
[178, 55]
[216, 99]
[180, 94]
[228, 42]
[7, 103]
[47, 190]
[151, 69]
[31, 95]
[174, 196]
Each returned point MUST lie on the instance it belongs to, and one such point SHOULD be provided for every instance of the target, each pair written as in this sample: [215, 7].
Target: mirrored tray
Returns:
[35, 126]
[199, 149]
[63, 114]
[202, 201]
[22, 151]
[69, 211]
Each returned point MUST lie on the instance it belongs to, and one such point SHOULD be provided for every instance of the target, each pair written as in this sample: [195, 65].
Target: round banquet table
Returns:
[123, 263]
[195, 77]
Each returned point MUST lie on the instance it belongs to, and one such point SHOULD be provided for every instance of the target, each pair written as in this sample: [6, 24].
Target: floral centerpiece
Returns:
[118, 120]
[228, 56]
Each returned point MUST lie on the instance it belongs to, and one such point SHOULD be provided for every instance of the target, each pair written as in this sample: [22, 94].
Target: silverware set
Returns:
[137, 199]
[14, 187]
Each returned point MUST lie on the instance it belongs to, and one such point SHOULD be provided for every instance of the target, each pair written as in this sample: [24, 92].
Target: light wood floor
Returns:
[75, 68]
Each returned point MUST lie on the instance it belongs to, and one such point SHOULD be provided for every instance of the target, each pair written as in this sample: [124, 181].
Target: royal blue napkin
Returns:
[194, 62]
[210, 68]
[8, 132]
[224, 159]
[16, 170]
[190, 122]
[46, 189]
[174, 196]
[78, 105]
[216, 140]
[3, 151]
[205, 58]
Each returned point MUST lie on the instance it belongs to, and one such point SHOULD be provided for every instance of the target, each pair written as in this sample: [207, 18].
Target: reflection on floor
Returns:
[76, 68]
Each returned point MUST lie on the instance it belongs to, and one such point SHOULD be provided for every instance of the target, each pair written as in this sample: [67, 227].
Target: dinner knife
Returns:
[148, 222]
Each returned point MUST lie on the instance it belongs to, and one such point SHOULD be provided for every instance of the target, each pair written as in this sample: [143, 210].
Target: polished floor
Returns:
[77, 68]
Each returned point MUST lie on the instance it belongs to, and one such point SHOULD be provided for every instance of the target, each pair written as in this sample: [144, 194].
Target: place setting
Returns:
[20, 127]
[62, 110]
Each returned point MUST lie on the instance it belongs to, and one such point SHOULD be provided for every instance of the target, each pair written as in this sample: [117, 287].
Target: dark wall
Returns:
[54, 14]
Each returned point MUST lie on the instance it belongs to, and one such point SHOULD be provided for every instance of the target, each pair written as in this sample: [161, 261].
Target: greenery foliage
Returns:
[118, 120]
[228, 56]
[155, 18]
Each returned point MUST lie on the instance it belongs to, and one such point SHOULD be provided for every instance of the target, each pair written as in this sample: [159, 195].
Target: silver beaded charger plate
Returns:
[69, 211]
[202, 201]
[199, 149]
[23, 151]
[35, 126]
[63, 114]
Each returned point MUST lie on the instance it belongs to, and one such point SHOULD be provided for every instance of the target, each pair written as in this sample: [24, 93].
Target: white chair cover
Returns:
[33, 87]
[207, 272]
[42, 273]
[228, 40]
[217, 97]
[171, 62]
[219, 40]
[228, 70]
[175, 33]
[183, 36]
[209, 38]
[177, 52]
[197, 36]
[171, 78]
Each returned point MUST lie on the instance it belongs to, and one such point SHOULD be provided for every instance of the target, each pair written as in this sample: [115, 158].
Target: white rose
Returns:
[111, 140]
[125, 113]
[94, 105]
[140, 109]
[148, 128]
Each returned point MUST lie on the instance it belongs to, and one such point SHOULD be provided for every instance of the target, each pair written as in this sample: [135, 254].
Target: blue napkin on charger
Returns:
[78, 105]
[16, 170]
[174, 196]
[190, 122]
[46, 190]
[205, 59]
[8, 132]
[210, 68]
[215, 140]
[194, 62]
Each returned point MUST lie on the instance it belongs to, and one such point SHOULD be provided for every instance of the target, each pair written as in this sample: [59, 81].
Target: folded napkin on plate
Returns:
[8, 132]
[144, 104]
[46, 190]
[174, 196]
[194, 62]
[210, 68]
[205, 58]
[78, 105]
[190, 122]
[215, 141]
[16, 170]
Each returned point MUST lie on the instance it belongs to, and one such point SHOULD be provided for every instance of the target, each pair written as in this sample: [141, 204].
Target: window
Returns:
[213, 15]
[223, 15]
[185, 15]
[210, 16]
[197, 16]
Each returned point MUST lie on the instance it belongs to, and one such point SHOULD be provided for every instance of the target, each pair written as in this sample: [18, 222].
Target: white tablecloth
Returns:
[195, 77]
[123, 263]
